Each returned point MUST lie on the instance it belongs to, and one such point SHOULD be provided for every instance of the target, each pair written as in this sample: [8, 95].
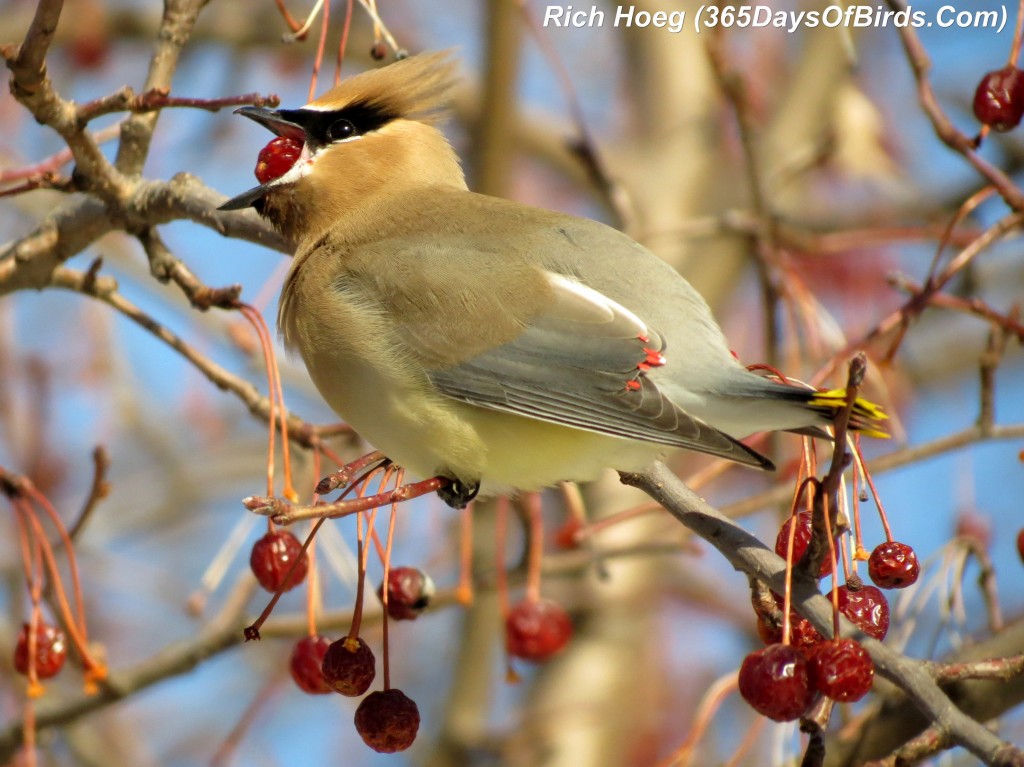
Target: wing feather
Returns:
[581, 363]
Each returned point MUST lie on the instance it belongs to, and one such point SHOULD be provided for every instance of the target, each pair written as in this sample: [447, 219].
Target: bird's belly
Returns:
[430, 434]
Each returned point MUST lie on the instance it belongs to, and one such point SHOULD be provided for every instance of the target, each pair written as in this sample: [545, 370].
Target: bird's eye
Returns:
[341, 129]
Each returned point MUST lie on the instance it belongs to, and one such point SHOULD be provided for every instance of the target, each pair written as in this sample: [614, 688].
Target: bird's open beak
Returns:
[276, 122]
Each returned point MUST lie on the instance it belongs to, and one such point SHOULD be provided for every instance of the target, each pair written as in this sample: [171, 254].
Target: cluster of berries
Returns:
[387, 720]
[786, 678]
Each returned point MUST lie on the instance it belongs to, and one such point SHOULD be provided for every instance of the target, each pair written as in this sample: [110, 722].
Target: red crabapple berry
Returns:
[536, 630]
[801, 539]
[999, 98]
[866, 608]
[272, 557]
[349, 666]
[409, 592]
[51, 650]
[306, 664]
[277, 158]
[841, 669]
[893, 565]
[387, 721]
[775, 682]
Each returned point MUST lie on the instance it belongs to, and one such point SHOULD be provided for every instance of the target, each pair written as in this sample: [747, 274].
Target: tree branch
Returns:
[747, 554]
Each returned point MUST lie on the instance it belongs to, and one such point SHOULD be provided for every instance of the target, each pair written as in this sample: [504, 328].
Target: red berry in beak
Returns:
[277, 158]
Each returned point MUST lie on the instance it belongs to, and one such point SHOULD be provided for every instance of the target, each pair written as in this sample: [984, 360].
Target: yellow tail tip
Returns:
[864, 411]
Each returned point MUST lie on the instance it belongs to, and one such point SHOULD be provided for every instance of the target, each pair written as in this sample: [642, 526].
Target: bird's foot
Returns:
[458, 494]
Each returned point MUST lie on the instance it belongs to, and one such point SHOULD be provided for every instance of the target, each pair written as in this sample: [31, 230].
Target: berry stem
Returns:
[274, 375]
[271, 397]
[859, 458]
[858, 538]
[835, 570]
[708, 706]
[381, 552]
[1015, 47]
[786, 595]
[312, 586]
[69, 549]
[357, 608]
[387, 569]
[536, 533]
[293, 25]
[344, 41]
[320, 47]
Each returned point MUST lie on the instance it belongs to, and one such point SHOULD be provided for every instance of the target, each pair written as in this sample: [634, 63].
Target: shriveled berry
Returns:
[306, 664]
[999, 98]
[51, 650]
[537, 629]
[277, 158]
[893, 565]
[409, 592]
[349, 666]
[801, 540]
[867, 608]
[775, 682]
[841, 669]
[387, 721]
[802, 633]
[273, 556]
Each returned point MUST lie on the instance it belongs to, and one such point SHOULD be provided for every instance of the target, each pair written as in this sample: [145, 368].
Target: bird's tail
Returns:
[865, 418]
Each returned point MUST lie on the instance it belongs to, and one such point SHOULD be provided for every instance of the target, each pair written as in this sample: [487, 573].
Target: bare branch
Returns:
[748, 554]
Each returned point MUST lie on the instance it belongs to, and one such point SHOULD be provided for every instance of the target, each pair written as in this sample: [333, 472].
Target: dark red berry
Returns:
[272, 557]
[867, 608]
[537, 629]
[51, 650]
[999, 99]
[378, 51]
[801, 539]
[1020, 544]
[841, 669]
[409, 592]
[893, 565]
[775, 682]
[349, 666]
[306, 664]
[277, 158]
[387, 721]
[803, 634]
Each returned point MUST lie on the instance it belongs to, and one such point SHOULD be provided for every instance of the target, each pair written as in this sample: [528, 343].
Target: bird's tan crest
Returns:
[415, 88]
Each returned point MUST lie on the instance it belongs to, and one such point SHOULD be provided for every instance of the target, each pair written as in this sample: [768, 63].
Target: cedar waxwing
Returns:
[498, 345]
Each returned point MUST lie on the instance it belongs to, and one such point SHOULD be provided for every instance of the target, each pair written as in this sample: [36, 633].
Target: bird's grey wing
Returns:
[584, 362]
